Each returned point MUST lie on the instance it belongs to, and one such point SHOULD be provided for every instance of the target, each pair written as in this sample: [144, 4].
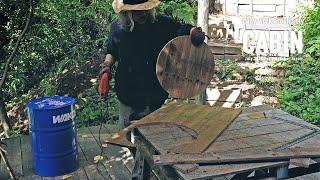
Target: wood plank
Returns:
[313, 142]
[113, 154]
[215, 158]
[26, 158]
[94, 173]
[91, 149]
[126, 155]
[163, 143]
[167, 129]
[112, 128]
[206, 172]
[313, 176]
[241, 125]
[31, 177]
[83, 161]
[270, 140]
[78, 174]
[183, 69]
[207, 121]
[264, 130]
[300, 162]
[14, 157]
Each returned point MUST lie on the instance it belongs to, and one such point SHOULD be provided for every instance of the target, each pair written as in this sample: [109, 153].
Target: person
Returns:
[135, 40]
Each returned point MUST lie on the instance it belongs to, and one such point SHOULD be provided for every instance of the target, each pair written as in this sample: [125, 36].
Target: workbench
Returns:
[277, 131]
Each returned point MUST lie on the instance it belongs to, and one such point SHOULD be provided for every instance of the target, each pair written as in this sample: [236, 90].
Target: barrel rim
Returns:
[66, 99]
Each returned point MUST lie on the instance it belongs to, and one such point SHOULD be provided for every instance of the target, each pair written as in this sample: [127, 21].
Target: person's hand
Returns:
[197, 36]
[105, 68]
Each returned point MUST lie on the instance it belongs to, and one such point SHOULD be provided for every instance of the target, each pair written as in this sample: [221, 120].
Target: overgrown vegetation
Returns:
[63, 35]
[300, 94]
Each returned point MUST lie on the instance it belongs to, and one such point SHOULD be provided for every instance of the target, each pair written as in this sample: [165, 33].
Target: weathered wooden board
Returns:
[207, 172]
[208, 122]
[216, 158]
[26, 156]
[14, 158]
[21, 159]
[253, 134]
[264, 130]
[91, 149]
[114, 156]
[300, 162]
[124, 153]
[183, 69]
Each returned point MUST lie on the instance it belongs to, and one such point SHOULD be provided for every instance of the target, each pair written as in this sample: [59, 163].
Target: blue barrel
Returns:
[53, 135]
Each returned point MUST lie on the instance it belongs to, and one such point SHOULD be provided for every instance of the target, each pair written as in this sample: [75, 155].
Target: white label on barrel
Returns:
[63, 117]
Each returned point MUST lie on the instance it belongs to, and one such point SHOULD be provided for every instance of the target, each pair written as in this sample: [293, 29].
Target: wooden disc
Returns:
[183, 69]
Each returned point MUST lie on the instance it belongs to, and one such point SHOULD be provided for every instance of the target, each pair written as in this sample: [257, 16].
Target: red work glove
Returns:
[104, 86]
[197, 36]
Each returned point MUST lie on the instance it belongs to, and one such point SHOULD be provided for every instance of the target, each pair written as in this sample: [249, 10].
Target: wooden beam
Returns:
[220, 158]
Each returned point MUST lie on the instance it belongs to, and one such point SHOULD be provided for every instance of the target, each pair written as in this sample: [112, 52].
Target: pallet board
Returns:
[207, 121]
[238, 157]
[271, 130]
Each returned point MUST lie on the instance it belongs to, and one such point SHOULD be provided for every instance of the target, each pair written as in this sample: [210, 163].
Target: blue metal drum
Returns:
[53, 135]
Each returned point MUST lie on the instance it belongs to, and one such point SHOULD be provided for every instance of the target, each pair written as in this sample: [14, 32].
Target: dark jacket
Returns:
[137, 52]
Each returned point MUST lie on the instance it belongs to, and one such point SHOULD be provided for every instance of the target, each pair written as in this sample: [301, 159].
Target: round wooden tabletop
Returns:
[183, 69]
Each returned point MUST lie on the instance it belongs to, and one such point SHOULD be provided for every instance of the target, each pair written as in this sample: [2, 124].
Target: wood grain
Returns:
[216, 158]
[209, 171]
[208, 122]
[300, 162]
[183, 69]
[250, 131]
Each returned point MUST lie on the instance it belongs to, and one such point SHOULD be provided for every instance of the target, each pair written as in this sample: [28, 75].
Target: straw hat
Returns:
[127, 5]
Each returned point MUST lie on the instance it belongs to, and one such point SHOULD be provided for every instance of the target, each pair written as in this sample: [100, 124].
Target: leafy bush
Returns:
[300, 94]
[92, 111]
[179, 9]
[311, 31]
[227, 69]
[62, 35]
[60, 31]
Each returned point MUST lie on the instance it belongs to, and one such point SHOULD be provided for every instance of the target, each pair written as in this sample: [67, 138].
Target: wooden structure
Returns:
[208, 125]
[183, 69]
[231, 18]
[117, 163]
[250, 132]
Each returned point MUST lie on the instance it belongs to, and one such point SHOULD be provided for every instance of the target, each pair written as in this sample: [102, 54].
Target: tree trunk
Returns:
[3, 116]
[203, 16]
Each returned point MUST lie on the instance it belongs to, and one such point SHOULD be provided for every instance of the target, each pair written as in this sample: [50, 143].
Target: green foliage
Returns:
[63, 35]
[92, 111]
[300, 94]
[60, 31]
[248, 74]
[179, 9]
[16, 132]
[227, 69]
[264, 81]
[311, 31]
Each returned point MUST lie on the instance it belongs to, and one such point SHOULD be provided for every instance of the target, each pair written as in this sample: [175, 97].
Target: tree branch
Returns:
[5, 73]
